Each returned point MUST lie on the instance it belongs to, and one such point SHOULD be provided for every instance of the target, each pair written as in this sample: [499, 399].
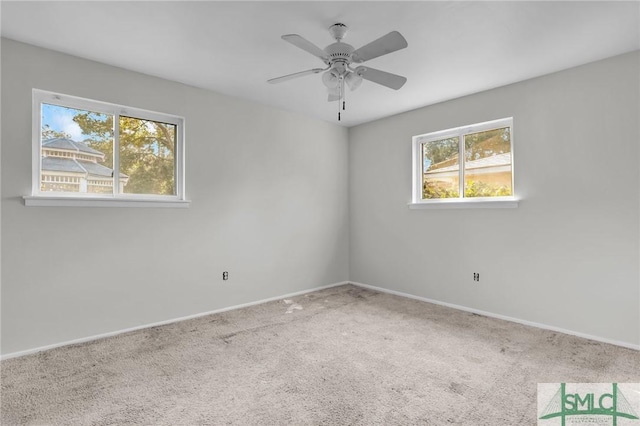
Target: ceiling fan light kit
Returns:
[338, 58]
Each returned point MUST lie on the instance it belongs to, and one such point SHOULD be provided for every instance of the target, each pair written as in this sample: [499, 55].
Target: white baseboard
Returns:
[502, 317]
[271, 299]
[170, 321]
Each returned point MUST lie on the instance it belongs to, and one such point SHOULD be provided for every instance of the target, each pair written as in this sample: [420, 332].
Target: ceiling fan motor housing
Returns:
[339, 55]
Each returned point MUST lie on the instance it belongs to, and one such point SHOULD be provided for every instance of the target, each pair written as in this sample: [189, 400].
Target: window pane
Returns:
[487, 167]
[147, 156]
[76, 149]
[440, 169]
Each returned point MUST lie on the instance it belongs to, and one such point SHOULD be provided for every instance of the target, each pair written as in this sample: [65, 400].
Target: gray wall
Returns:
[269, 204]
[567, 257]
[275, 196]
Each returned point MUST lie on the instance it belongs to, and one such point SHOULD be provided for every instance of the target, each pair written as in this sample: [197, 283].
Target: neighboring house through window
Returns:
[69, 166]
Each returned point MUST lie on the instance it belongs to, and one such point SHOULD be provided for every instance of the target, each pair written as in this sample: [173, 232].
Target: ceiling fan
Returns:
[340, 56]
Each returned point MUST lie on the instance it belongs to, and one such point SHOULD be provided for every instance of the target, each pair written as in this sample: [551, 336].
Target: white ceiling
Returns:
[455, 48]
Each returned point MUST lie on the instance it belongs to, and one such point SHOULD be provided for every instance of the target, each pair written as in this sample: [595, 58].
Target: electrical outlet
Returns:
[225, 275]
[476, 276]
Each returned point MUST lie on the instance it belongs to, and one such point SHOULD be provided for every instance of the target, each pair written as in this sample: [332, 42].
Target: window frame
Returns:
[461, 202]
[117, 198]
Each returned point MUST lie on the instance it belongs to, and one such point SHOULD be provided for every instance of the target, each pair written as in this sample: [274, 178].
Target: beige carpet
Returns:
[340, 356]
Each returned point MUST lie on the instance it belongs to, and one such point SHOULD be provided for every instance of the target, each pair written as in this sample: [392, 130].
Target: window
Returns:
[88, 152]
[470, 165]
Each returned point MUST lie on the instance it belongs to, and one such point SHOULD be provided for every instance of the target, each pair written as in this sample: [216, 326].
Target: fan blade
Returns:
[389, 80]
[385, 44]
[295, 75]
[305, 45]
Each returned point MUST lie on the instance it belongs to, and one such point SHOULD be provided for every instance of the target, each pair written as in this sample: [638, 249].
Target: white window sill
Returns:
[466, 203]
[48, 201]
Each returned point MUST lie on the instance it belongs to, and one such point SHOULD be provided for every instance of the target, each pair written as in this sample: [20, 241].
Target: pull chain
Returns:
[340, 94]
[344, 95]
